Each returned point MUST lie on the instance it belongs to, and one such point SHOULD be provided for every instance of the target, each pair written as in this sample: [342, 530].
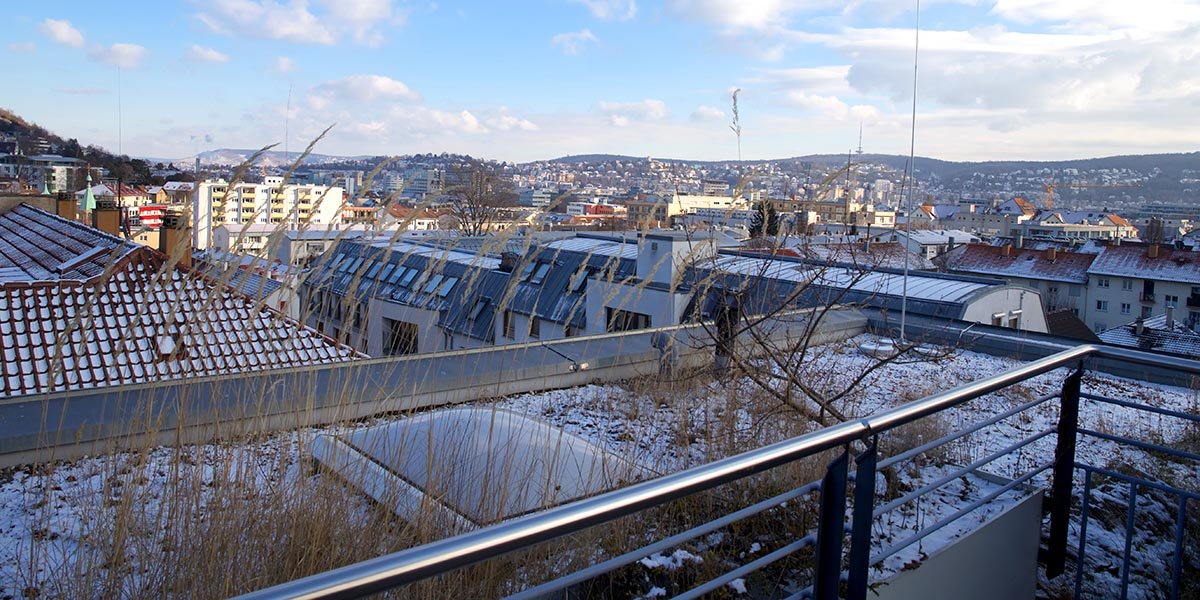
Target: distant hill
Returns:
[32, 138]
[230, 157]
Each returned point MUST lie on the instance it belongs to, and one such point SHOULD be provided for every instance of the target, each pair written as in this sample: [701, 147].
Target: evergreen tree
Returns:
[765, 220]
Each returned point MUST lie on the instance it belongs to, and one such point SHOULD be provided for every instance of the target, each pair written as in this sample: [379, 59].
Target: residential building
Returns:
[285, 206]
[1060, 276]
[1130, 281]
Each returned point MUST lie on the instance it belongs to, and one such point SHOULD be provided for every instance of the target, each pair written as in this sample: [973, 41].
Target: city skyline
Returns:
[1006, 79]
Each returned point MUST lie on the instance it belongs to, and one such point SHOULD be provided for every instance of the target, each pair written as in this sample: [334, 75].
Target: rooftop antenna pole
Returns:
[736, 126]
[912, 145]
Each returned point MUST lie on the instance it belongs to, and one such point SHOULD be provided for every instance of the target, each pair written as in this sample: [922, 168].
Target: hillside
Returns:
[32, 138]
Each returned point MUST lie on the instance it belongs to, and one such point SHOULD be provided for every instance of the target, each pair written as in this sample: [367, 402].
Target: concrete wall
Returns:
[204, 409]
[1007, 303]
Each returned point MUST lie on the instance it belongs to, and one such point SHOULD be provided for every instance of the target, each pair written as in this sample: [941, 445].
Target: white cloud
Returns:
[610, 9]
[707, 113]
[506, 122]
[22, 47]
[361, 89]
[622, 113]
[740, 14]
[1144, 15]
[125, 56]
[209, 55]
[62, 32]
[284, 65]
[572, 43]
[293, 21]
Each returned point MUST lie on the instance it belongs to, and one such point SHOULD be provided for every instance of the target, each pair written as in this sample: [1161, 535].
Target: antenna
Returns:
[912, 145]
[859, 152]
[287, 118]
[736, 126]
[120, 152]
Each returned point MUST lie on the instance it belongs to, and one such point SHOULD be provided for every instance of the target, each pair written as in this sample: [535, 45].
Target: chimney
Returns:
[107, 216]
[1006, 250]
[508, 261]
[175, 238]
[1170, 318]
[1139, 327]
[1020, 241]
[64, 206]
[1152, 251]
[1052, 253]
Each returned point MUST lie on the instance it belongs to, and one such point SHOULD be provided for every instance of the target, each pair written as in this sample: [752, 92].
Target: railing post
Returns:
[864, 517]
[831, 525]
[1064, 473]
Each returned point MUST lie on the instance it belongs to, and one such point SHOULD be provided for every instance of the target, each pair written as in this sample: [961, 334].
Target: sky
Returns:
[523, 80]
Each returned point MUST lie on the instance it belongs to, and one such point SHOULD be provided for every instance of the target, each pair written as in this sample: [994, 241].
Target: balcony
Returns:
[1193, 301]
[851, 539]
[1148, 297]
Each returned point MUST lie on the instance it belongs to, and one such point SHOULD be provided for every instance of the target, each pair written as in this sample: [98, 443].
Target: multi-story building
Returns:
[283, 206]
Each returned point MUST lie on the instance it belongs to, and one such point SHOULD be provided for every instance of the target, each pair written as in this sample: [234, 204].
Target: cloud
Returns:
[361, 89]
[62, 31]
[572, 43]
[622, 113]
[707, 113]
[506, 122]
[738, 14]
[22, 47]
[284, 65]
[121, 55]
[209, 55]
[293, 21]
[610, 9]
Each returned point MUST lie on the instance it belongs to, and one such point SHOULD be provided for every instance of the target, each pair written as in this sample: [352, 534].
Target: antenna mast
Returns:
[736, 126]
[912, 145]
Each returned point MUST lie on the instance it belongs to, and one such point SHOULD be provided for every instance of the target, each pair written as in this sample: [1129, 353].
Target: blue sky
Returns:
[526, 80]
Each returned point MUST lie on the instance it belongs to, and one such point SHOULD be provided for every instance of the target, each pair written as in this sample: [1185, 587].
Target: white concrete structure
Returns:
[290, 206]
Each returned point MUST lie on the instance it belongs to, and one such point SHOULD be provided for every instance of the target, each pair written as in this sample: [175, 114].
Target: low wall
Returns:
[63, 426]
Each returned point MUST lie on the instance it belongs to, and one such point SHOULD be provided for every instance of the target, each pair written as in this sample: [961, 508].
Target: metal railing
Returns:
[855, 441]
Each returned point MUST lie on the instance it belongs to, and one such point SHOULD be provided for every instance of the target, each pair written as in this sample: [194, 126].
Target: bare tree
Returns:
[480, 197]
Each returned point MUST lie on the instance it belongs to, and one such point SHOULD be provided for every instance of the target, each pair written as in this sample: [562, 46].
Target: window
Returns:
[998, 319]
[477, 308]
[408, 277]
[397, 274]
[527, 270]
[624, 320]
[535, 327]
[387, 271]
[1102, 305]
[510, 330]
[1147, 312]
[447, 285]
[374, 270]
[1127, 285]
[433, 283]
[1172, 301]
[1102, 282]
[540, 274]
[579, 281]
[1126, 308]
[1073, 291]
[399, 337]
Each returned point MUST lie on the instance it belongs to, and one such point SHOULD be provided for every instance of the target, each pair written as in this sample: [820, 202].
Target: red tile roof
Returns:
[982, 259]
[131, 321]
[1134, 261]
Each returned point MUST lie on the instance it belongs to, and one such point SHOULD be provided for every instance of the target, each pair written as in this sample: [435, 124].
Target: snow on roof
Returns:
[1134, 261]
[179, 186]
[606, 247]
[938, 236]
[1071, 267]
[39, 246]
[141, 323]
[438, 253]
[938, 289]
[1177, 339]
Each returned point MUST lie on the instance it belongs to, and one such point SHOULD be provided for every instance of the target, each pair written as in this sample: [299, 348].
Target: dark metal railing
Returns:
[857, 440]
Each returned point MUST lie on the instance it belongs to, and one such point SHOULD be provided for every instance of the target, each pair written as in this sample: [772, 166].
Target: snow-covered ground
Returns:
[51, 517]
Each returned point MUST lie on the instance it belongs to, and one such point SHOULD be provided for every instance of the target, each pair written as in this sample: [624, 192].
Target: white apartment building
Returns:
[291, 206]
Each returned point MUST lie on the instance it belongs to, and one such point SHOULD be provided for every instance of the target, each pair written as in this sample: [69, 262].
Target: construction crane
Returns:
[1050, 186]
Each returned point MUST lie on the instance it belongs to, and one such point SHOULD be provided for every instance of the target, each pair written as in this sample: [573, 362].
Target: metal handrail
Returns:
[415, 564]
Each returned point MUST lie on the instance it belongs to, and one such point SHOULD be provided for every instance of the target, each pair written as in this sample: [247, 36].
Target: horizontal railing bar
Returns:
[439, 557]
[943, 480]
[1140, 444]
[1142, 482]
[670, 542]
[1142, 407]
[958, 514]
[962, 432]
[750, 567]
